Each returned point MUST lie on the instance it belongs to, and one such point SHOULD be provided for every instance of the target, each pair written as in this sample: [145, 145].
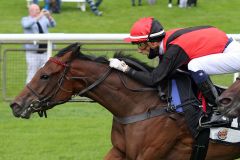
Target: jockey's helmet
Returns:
[146, 29]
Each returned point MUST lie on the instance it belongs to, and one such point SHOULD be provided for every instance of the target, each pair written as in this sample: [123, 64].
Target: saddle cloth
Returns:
[230, 135]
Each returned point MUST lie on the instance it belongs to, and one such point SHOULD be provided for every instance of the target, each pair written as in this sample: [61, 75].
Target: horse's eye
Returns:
[44, 77]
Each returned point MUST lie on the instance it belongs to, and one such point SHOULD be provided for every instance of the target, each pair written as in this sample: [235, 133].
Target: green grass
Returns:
[81, 131]
[73, 131]
[119, 16]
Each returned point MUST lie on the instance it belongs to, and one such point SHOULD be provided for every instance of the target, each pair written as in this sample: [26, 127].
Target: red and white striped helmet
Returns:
[145, 29]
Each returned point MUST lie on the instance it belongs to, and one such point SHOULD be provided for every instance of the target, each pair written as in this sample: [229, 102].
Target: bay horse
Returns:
[229, 101]
[136, 134]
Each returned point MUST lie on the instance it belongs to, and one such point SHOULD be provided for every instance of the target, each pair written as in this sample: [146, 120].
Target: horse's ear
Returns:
[68, 53]
[75, 51]
[65, 50]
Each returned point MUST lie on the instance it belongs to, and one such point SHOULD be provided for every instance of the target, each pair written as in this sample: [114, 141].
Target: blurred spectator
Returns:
[192, 3]
[55, 6]
[51, 5]
[183, 3]
[170, 3]
[139, 2]
[94, 6]
[36, 22]
[151, 2]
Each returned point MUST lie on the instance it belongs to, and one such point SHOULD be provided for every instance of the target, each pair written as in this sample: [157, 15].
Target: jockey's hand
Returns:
[119, 65]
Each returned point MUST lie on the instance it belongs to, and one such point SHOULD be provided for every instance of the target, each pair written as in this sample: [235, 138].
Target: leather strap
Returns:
[140, 117]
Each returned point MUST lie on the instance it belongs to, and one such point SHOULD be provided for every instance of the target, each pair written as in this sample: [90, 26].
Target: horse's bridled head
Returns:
[44, 91]
[49, 86]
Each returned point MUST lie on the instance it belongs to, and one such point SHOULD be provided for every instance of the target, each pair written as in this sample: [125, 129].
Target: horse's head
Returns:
[229, 101]
[47, 88]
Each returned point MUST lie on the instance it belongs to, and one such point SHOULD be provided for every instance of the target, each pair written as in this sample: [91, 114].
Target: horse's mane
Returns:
[120, 55]
[75, 48]
[99, 59]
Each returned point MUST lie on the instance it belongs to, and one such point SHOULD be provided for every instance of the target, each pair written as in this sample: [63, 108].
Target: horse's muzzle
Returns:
[18, 111]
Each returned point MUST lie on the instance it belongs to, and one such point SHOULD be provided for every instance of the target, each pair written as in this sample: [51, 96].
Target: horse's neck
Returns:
[119, 100]
[112, 94]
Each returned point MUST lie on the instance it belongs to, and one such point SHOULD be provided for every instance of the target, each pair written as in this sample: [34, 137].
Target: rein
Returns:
[97, 82]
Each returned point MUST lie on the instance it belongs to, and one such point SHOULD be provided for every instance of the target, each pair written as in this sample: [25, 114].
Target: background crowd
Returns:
[55, 6]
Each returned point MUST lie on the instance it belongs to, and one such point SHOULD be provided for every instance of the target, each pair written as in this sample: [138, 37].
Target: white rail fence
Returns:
[61, 37]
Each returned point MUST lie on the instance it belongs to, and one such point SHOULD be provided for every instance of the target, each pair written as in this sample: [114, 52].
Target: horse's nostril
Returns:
[16, 109]
[225, 101]
[14, 105]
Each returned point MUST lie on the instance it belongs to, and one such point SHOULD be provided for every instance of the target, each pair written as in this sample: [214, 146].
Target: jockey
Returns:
[205, 50]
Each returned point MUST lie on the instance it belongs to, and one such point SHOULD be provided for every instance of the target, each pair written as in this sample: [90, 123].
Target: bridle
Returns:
[42, 103]
[37, 105]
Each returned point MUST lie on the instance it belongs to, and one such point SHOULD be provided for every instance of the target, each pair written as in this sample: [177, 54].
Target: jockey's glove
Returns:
[119, 65]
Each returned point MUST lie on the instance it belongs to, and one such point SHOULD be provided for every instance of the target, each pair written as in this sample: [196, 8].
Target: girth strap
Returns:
[201, 145]
[140, 117]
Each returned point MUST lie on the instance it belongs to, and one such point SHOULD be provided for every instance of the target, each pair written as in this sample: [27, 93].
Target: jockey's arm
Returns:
[172, 59]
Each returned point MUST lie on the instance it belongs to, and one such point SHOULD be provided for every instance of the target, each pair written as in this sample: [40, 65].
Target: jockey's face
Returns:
[144, 48]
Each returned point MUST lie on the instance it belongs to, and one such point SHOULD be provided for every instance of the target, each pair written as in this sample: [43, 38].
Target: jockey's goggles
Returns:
[142, 45]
